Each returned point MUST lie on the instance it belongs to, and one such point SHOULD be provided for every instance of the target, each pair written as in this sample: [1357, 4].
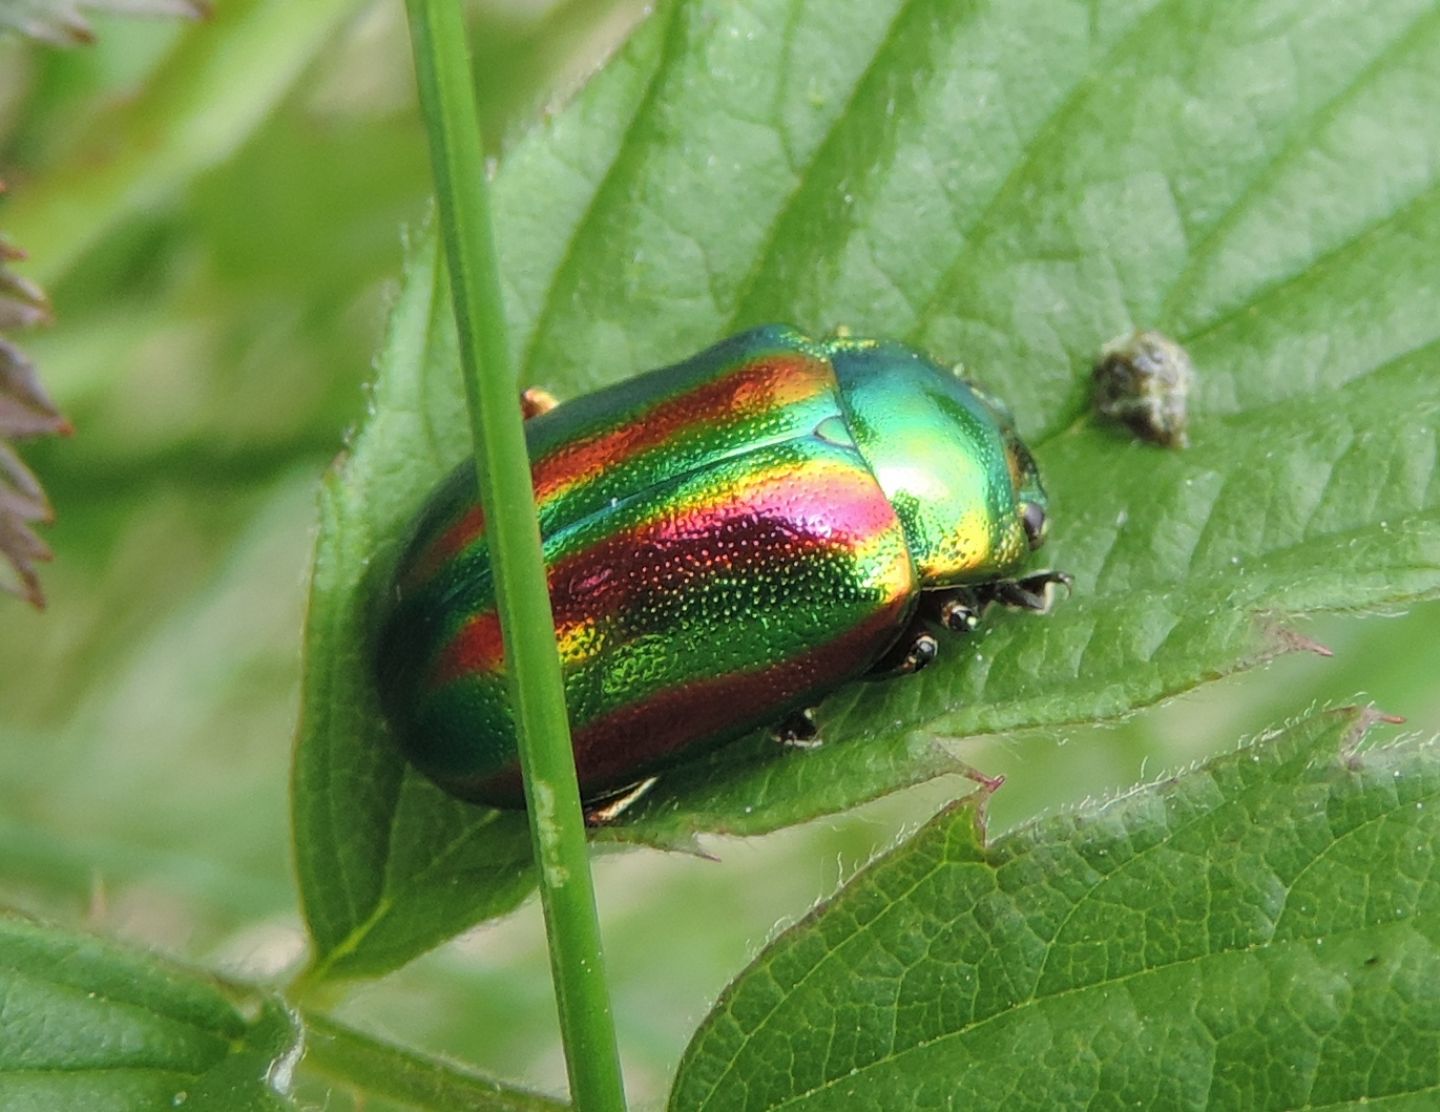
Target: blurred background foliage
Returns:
[216, 211]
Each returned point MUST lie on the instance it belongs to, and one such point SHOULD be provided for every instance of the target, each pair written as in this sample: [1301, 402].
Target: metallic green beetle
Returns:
[727, 540]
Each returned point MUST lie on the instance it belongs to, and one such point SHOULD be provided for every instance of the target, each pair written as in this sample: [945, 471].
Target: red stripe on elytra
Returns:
[455, 539]
[621, 747]
[761, 384]
[752, 536]
[476, 649]
[765, 382]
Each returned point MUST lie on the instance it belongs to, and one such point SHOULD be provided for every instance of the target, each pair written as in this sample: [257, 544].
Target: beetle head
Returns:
[947, 456]
[1030, 500]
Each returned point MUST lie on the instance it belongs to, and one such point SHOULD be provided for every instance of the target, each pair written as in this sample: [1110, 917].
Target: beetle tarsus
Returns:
[1020, 597]
[921, 653]
[607, 810]
[798, 730]
[957, 610]
[915, 650]
[1042, 579]
[1032, 592]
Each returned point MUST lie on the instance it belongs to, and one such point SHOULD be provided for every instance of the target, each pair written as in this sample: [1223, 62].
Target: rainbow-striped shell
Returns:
[727, 540]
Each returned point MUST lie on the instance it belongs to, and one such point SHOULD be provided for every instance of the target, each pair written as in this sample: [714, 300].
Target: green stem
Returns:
[552, 795]
[373, 1068]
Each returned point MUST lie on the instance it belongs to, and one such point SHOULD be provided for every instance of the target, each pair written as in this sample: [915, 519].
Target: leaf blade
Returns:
[1015, 188]
[1170, 947]
[89, 1024]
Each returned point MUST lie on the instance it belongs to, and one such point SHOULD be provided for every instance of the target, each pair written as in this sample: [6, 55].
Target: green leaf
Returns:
[212, 93]
[88, 1025]
[1010, 187]
[388, 865]
[1263, 932]
[376, 1070]
[160, 784]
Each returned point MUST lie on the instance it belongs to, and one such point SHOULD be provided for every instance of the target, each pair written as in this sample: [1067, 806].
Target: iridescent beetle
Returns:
[727, 540]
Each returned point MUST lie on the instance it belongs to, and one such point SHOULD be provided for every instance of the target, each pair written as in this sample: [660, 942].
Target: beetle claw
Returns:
[1032, 592]
[1042, 579]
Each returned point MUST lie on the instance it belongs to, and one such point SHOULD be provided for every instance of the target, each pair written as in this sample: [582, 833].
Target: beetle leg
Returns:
[957, 610]
[608, 810]
[536, 401]
[797, 730]
[1042, 579]
[916, 648]
[1011, 593]
[1032, 592]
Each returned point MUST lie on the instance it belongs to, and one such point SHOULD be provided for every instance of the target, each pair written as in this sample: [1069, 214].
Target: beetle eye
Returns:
[1032, 514]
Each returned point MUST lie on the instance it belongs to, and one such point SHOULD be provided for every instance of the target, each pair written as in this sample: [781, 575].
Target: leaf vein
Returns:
[767, 250]
[604, 188]
[1037, 148]
[1301, 142]
[1315, 268]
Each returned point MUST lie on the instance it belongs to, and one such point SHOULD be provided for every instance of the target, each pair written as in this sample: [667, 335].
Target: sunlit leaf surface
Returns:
[1010, 187]
[1258, 933]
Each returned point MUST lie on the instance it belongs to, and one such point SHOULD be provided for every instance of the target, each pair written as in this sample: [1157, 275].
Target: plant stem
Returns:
[552, 795]
[378, 1069]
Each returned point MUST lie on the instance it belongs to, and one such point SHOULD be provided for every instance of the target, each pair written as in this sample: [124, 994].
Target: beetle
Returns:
[726, 540]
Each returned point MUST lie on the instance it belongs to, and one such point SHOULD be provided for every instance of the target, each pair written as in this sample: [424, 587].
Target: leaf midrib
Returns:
[1120, 981]
[1036, 999]
[1295, 145]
